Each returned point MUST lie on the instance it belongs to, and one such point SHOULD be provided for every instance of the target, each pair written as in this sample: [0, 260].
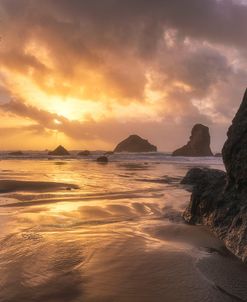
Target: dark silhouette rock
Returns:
[84, 153]
[219, 199]
[198, 145]
[135, 143]
[59, 151]
[102, 159]
[235, 148]
[16, 153]
[200, 176]
[208, 184]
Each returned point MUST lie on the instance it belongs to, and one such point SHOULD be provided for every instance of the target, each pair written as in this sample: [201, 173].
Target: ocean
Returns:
[72, 229]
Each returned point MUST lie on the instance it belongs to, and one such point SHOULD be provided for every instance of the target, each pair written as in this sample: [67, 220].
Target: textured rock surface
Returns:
[59, 151]
[135, 143]
[235, 149]
[198, 145]
[219, 200]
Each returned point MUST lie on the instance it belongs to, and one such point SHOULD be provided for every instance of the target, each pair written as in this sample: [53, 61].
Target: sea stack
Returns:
[219, 199]
[135, 143]
[59, 151]
[198, 145]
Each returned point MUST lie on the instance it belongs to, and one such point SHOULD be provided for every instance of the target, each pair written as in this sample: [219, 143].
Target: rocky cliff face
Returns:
[135, 143]
[235, 149]
[198, 145]
[219, 199]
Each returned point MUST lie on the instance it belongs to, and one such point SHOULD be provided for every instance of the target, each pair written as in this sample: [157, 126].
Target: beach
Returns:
[72, 229]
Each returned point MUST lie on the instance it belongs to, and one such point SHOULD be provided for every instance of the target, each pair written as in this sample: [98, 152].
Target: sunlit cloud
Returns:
[90, 73]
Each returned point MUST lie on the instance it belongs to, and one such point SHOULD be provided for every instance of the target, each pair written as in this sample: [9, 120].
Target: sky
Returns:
[88, 73]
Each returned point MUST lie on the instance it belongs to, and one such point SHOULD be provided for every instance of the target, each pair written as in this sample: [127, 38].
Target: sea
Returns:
[75, 230]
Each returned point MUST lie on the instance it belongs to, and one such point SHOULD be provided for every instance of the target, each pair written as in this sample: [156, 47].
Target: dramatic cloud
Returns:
[91, 72]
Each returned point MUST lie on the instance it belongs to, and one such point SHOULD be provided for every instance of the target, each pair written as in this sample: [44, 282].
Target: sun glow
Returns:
[68, 107]
[72, 109]
[57, 122]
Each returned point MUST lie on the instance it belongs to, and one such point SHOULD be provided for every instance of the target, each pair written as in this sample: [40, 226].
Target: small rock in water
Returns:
[102, 159]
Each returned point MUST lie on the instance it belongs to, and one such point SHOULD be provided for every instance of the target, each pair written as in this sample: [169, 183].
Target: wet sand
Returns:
[117, 236]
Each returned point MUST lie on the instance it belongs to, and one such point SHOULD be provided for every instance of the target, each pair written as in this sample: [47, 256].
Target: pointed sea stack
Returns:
[198, 145]
[219, 199]
[59, 151]
[135, 143]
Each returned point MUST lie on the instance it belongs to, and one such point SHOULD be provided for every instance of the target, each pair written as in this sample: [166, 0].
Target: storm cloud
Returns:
[149, 66]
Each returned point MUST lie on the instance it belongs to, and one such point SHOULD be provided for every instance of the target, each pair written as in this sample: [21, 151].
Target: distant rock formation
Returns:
[102, 159]
[219, 199]
[59, 151]
[198, 145]
[84, 153]
[135, 143]
[16, 153]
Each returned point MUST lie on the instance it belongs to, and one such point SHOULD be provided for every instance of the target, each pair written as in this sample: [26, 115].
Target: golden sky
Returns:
[86, 74]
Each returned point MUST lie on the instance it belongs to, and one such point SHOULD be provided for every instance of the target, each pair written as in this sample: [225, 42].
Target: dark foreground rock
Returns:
[102, 159]
[135, 143]
[219, 199]
[59, 151]
[198, 145]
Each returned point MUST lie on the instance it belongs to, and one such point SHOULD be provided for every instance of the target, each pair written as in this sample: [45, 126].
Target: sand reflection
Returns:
[112, 238]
